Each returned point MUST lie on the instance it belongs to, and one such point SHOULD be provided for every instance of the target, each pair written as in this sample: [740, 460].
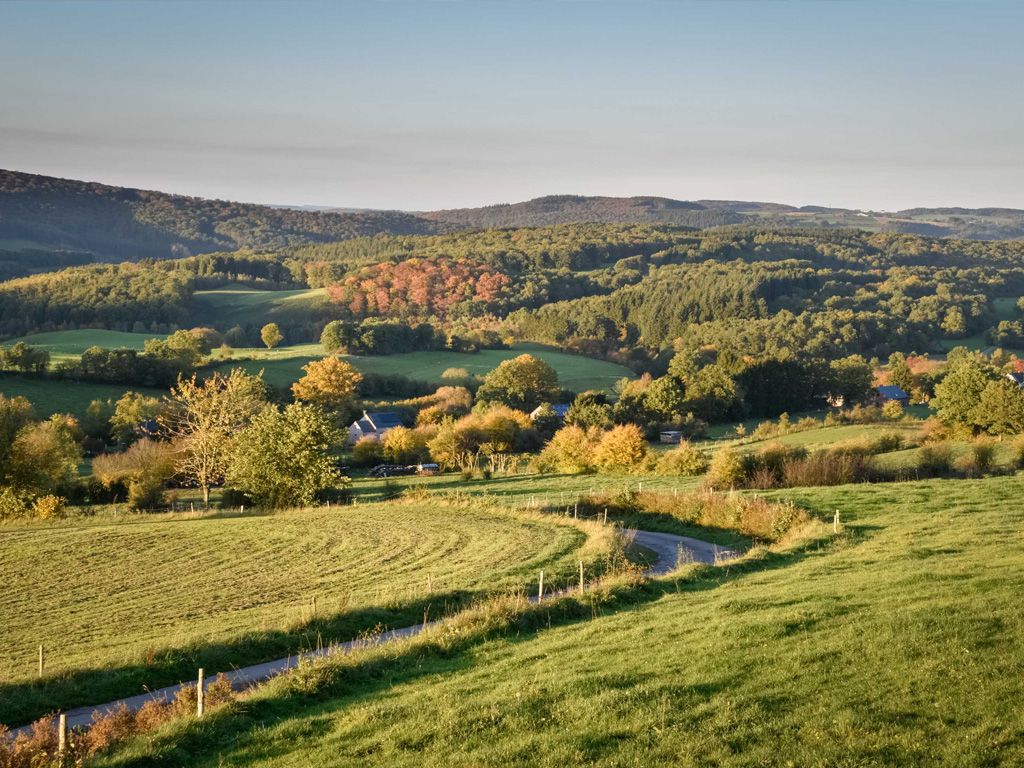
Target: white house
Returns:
[560, 410]
[374, 425]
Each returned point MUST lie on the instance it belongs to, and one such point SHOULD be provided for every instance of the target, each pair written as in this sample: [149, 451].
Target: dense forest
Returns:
[631, 293]
[117, 222]
[564, 209]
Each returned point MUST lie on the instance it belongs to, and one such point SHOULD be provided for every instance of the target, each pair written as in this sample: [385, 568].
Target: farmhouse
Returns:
[560, 410]
[890, 393]
[374, 425]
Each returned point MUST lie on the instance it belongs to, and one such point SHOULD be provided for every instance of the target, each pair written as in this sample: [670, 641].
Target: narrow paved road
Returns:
[669, 548]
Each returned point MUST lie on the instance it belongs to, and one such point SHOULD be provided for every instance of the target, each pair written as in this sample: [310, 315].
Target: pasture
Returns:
[239, 305]
[283, 366]
[897, 642]
[125, 605]
[51, 396]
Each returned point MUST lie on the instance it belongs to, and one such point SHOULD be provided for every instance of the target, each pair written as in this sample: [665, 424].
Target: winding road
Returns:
[669, 548]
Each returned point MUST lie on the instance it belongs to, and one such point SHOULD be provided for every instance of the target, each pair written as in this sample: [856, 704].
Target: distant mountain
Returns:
[563, 209]
[47, 213]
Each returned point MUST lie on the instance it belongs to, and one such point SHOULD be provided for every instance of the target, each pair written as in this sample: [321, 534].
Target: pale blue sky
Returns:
[424, 105]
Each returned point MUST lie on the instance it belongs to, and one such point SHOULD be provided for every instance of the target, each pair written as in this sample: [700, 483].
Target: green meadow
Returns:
[124, 604]
[897, 642]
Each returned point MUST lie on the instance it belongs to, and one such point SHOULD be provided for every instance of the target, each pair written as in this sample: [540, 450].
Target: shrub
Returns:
[367, 451]
[403, 446]
[621, 447]
[892, 410]
[983, 453]
[887, 442]
[48, 507]
[1017, 449]
[725, 470]
[935, 458]
[830, 467]
[569, 450]
[684, 459]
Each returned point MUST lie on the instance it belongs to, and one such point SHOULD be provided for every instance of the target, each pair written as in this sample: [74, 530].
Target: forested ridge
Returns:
[625, 292]
[119, 222]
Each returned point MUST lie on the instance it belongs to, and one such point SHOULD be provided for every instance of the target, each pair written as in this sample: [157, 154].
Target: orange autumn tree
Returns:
[418, 287]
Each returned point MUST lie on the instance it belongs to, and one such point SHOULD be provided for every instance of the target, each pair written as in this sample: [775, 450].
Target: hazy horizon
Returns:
[422, 106]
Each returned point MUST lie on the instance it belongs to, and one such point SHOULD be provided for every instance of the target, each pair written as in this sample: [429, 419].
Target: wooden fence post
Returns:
[606, 515]
[200, 695]
[62, 736]
[835, 523]
[540, 590]
[581, 576]
[42, 663]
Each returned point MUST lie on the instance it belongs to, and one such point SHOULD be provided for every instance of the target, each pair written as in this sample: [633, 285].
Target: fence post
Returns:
[640, 487]
[606, 515]
[835, 523]
[581, 576]
[200, 695]
[540, 590]
[576, 511]
[62, 737]
[41, 661]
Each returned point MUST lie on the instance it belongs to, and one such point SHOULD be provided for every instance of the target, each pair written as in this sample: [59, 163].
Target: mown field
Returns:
[238, 305]
[141, 603]
[899, 642]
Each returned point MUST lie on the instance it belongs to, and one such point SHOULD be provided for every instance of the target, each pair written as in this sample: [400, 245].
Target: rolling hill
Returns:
[43, 213]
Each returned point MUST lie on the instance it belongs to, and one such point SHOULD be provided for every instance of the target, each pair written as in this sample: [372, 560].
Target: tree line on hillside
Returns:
[630, 293]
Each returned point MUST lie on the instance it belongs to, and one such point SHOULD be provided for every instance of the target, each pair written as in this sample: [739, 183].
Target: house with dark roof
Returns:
[890, 393]
[374, 425]
[560, 410]
[1017, 378]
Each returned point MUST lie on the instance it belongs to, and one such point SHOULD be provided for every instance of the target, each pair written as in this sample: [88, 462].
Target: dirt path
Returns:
[669, 548]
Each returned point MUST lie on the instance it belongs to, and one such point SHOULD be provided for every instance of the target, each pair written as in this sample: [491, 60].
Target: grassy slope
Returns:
[50, 396]
[231, 306]
[101, 595]
[900, 644]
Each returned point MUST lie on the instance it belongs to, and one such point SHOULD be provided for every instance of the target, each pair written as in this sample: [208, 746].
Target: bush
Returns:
[892, 410]
[1017, 449]
[145, 493]
[48, 507]
[935, 458]
[232, 498]
[887, 442]
[622, 447]
[684, 459]
[367, 452]
[983, 454]
[569, 450]
[725, 470]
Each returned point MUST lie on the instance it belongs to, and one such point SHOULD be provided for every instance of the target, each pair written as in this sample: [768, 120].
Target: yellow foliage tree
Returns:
[621, 447]
[330, 383]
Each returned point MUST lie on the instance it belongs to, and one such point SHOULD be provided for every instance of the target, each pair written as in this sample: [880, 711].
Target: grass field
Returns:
[240, 306]
[142, 603]
[67, 344]
[49, 396]
[283, 366]
[898, 643]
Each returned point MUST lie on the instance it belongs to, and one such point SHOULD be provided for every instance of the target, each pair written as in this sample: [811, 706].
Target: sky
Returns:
[426, 105]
